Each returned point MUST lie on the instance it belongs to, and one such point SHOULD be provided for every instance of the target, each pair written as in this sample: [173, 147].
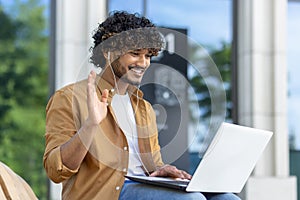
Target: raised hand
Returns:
[97, 108]
[74, 150]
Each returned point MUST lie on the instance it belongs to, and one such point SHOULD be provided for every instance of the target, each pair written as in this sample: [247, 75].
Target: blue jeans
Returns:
[137, 191]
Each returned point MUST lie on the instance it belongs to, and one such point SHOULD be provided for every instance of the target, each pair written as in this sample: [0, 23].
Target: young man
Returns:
[100, 129]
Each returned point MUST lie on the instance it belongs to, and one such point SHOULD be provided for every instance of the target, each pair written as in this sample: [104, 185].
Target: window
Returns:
[293, 43]
[293, 52]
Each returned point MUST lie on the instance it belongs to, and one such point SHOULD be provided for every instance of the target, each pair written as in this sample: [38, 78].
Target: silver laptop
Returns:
[226, 164]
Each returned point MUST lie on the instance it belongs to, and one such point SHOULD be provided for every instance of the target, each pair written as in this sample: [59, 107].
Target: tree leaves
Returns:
[24, 90]
[222, 59]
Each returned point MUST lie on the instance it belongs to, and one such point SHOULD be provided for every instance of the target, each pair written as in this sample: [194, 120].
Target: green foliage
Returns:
[222, 59]
[23, 87]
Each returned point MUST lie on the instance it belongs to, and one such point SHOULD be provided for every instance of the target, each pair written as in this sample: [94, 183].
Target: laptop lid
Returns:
[229, 159]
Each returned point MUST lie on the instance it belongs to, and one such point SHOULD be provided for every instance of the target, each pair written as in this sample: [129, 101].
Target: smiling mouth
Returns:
[137, 70]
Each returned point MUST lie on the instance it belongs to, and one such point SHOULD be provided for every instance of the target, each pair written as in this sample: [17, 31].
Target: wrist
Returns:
[89, 124]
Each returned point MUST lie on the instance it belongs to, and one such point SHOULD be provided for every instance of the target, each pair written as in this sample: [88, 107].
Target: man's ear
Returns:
[106, 55]
[111, 56]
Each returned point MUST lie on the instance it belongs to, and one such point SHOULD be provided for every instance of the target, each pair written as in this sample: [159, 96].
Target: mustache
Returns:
[136, 67]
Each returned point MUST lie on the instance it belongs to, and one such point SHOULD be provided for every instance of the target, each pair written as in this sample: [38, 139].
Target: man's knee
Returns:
[194, 196]
[223, 196]
[186, 196]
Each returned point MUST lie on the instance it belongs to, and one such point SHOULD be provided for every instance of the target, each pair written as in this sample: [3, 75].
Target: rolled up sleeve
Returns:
[55, 168]
[60, 128]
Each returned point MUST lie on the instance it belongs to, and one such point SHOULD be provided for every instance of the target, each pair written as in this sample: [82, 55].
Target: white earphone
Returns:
[108, 55]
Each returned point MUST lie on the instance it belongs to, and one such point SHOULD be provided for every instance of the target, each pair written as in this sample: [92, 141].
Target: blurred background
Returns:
[254, 45]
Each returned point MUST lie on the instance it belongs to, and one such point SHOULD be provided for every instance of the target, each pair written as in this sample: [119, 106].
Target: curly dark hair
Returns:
[122, 32]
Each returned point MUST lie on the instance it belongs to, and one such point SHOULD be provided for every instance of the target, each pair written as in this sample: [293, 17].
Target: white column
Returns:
[262, 91]
[75, 22]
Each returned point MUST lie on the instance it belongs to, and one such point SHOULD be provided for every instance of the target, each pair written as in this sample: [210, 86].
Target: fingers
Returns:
[91, 83]
[92, 77]
[162, 171]
[171, 171]
[174, 172]
[155, 173]
[186, 175]
[104, 96]
[91, 89]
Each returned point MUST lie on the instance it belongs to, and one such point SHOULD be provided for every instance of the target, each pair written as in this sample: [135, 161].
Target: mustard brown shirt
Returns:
[101, 174]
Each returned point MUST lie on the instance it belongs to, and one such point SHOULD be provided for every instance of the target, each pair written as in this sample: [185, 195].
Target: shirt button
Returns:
[124, 170]
[125, 148]
[117, 188]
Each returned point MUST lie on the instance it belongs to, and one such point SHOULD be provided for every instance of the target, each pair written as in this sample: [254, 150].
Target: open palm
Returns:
[97, 108]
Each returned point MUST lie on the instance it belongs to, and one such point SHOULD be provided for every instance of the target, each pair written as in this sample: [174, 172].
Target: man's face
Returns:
[131, 66]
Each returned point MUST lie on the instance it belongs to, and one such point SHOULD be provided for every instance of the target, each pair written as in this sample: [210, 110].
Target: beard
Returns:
[122, 74]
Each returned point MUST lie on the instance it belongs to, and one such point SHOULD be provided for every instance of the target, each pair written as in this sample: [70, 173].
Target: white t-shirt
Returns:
[125, 118]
